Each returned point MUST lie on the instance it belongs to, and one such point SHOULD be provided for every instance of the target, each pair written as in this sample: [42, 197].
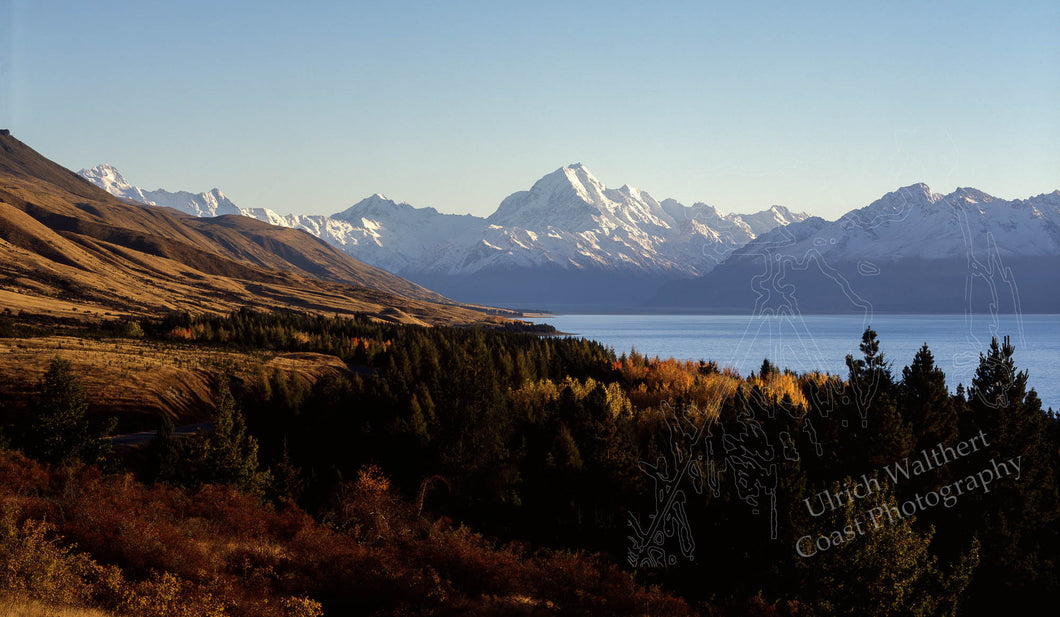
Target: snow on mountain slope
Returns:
[911, 251]
[570, 219]
[569, 241]
[108, 178]
[212, 203]
[400, 238]
[915, 222]
[567, 219]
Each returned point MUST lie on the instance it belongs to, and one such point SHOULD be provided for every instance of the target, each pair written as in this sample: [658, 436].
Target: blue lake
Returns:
[821, 342]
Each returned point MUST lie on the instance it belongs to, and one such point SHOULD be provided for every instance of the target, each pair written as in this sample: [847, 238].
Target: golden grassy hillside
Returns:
[140, 381]
[67, 246]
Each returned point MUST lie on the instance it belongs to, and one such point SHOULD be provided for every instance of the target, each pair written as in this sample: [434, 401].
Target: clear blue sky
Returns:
[308, 107]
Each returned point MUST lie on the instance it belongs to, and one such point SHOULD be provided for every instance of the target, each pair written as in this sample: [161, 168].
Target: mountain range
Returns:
[912, 250]
[570, 243]
[566, 242]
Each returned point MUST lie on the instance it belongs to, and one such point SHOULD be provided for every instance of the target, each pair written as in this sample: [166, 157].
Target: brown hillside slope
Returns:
[67, 246]
[88, 210]
[138, 382]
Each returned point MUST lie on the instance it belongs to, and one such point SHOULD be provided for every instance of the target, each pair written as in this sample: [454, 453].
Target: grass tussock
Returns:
[16, 606]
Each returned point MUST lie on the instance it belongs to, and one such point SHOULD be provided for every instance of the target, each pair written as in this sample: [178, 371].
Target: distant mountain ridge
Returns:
[212, 203]
[912, 250]
[570, 243]
[567, 240]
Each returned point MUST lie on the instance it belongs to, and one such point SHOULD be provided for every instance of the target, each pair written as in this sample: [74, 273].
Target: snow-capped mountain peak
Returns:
[567, 198]
[373, 205]
[915, 223]
[918, 193]
[107, 173]
[972, 196]
[574, 178]
[210, 203]
[108, 178]
[583, 182]
[567, 219]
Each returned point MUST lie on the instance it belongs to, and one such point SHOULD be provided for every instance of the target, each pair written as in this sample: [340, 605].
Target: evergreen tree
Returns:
[288, 485]
[163, 453]
[226, 454]
[882, 568]
[927, 403]
[60, 429]
[1017, 519]
[891, 435]
[997, 383]
[565, 455]
[873, 368]
[869, 376]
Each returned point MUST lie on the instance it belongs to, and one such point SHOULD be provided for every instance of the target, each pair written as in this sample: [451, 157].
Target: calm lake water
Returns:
[821, 342]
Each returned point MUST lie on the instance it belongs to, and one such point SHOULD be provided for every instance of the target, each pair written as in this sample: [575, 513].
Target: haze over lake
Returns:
[821, 342]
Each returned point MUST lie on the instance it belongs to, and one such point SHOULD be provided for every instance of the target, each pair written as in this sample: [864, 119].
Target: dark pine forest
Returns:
[475, 471]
